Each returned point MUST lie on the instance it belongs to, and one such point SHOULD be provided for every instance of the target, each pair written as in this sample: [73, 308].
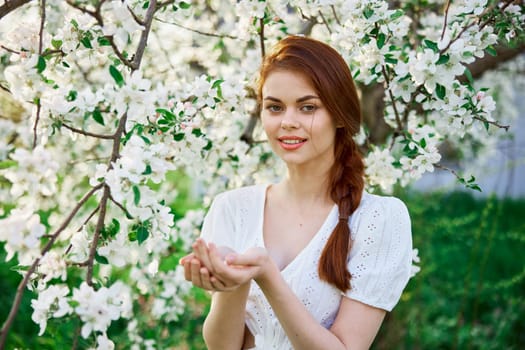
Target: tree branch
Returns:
[87, 133]
[96, 235]
[40, 40]
[197, 31]
[135, 64]
[261, 38]
[445, 20]
[488, 62]
[22, 285]
[10, 6]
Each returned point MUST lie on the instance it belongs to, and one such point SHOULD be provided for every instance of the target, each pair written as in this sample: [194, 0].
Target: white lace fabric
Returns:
[379, 261]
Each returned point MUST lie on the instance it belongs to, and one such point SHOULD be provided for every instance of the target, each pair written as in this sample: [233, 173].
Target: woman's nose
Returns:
[289, 121]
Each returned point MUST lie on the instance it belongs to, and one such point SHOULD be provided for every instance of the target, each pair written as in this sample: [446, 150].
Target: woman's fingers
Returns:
[200, 249]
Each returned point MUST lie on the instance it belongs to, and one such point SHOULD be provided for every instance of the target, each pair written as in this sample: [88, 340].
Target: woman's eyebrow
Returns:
[299, 100]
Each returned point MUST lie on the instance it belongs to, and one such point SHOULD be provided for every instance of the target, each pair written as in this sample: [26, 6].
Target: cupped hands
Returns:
[222, 269]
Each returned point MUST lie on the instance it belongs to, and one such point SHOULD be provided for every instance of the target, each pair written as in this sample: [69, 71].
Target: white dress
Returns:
[380, 259]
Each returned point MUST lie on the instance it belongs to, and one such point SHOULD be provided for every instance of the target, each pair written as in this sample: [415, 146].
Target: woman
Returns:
[312, 262]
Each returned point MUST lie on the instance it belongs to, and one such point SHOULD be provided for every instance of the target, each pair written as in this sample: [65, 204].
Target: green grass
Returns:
[470, 291]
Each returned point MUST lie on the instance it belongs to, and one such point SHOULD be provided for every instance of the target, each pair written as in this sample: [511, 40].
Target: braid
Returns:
[345, 190]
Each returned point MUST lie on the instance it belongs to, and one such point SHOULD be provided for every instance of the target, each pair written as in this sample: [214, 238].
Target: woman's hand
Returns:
[221, 269]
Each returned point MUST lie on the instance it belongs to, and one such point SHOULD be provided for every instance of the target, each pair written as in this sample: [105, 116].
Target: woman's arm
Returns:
[224, 326]
[355, 327]
[356, 324]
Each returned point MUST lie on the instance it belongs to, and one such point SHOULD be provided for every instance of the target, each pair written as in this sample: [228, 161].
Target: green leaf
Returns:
[117, 76]
[103, 41]
[86, 42]
[142, 233]
[97, 116]
[178, 136]
[217, 83]
[431, 45]
[443, 59]
[398, 13]
[145, 5]
[166, 113]
[389, 58]
[475, 187]
[184, 5]
[57, 44]
[441, 91]
[136, 195]
[197, 132]
[114, 227]
[7, 164]
[132, 236]
[41, 64]
[381, 39]
[491, 50]
[468, 74]
[101, 259]
[368, 12]
[423, 143]
[208, 146]
[148, 170]
[72, 95]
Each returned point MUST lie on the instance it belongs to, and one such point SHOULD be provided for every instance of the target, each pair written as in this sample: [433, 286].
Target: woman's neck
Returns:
[307, 187]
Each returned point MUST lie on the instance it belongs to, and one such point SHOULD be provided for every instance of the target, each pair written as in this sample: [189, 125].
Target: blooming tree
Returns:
[104, 101]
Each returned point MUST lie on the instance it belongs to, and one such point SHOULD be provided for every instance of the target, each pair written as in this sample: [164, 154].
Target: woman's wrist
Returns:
[269, 271]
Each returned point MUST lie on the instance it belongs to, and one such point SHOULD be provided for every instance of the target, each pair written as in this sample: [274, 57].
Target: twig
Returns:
[83, 9]
[452, 171]
[96, 235]
[120, 206]
[197, 31]
[84, 224]
[481, 26]
[40, 44]
[22, 285]
[87, 133]
[334, 12]
[496, 124]
[10, 50]
[135, 17]
[325, 22]
[445, 20]
[261, 38]
[35, 125]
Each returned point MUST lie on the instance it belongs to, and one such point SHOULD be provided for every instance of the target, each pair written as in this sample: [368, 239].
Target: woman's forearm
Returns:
[223, 328]
[301, 328]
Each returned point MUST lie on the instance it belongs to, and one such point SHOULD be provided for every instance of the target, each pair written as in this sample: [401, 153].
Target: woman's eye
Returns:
[274, 108]
[308, 108]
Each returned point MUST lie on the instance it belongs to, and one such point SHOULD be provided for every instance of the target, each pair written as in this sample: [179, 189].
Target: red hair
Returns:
[330, 76]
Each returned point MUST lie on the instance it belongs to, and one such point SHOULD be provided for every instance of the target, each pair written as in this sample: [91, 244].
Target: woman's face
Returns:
[299, 128]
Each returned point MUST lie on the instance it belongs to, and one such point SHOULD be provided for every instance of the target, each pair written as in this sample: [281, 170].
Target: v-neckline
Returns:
[310, 242]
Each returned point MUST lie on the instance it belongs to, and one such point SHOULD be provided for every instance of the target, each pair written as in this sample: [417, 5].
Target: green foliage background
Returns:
[469, 294]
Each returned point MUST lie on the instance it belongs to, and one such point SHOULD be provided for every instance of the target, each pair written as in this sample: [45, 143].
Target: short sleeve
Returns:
[219, 226]
[380, 259]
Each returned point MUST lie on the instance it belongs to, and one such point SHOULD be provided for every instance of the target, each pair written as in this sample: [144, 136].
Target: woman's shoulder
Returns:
[381, 205]
[377, 211]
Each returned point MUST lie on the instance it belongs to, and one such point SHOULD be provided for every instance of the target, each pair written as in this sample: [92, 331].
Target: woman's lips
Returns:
[291, 143]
